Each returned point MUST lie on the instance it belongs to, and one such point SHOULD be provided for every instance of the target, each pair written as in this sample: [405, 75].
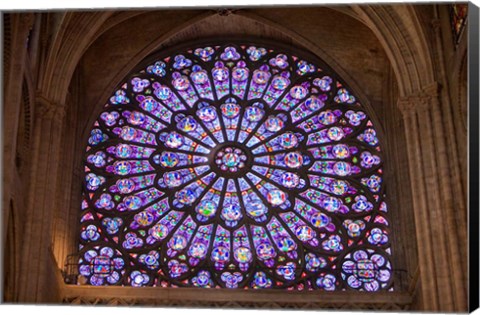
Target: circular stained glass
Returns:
[231, 159]
[235, 166]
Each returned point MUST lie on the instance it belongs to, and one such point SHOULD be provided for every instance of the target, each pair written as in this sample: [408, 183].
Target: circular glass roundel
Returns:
[235, 166]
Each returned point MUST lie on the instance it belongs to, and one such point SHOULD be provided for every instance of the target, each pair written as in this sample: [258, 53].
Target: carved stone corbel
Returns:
[48, 110]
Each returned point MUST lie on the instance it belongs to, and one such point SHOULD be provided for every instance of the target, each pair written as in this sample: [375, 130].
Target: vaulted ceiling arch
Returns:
[396, 27]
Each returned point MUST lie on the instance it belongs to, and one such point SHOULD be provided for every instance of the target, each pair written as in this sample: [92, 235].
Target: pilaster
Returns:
[36, 273]
[440, 260]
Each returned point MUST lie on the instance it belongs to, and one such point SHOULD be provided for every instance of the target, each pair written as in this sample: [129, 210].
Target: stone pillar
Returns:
[439, 236]
[66, 220]
[37, 279]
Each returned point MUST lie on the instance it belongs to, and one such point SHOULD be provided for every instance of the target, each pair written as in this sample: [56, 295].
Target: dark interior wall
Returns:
[115, 50]
[346, 40]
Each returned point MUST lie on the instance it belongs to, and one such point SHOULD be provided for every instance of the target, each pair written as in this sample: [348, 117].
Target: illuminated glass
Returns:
[458, 19]
[235, 166]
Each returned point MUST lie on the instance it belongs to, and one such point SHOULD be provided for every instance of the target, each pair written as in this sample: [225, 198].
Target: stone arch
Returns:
[73, 36]
[403, 38]
[184, 32]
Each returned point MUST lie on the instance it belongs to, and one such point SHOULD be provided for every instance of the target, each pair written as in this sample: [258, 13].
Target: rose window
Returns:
[235, 166]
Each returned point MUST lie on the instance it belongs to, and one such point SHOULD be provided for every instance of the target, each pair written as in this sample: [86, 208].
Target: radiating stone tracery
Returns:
[235, 166]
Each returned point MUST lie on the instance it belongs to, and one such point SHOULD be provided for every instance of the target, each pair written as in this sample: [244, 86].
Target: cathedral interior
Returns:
[335, 137]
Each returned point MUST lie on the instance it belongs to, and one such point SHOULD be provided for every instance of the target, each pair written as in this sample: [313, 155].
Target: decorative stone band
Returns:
[426, 99]
[266, 299]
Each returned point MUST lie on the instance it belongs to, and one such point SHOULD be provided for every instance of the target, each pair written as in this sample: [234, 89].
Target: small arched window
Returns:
[458, 20]
[235, 165]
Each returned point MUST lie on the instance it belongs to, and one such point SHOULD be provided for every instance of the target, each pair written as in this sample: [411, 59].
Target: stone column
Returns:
[66, 220]
[439, 236]
[37, 279]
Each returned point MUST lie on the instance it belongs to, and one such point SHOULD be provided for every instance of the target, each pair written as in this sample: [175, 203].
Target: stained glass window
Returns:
[458, 19]
[235, 166]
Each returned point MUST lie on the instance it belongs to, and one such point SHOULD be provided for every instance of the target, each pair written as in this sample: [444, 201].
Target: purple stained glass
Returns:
[235, 166]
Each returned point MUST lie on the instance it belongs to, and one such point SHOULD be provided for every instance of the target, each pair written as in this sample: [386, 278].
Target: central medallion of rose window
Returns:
[231, 159]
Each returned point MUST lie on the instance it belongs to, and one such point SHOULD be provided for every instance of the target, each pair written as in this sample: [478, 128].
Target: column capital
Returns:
[48, 110]
[425, 99]
[411, 104]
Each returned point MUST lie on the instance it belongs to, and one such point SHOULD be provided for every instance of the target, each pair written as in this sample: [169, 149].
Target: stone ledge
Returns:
[73, 294]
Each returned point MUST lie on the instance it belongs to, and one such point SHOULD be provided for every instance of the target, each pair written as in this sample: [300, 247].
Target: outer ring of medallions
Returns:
[377, 250]
[115, 247]
[227, 174]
